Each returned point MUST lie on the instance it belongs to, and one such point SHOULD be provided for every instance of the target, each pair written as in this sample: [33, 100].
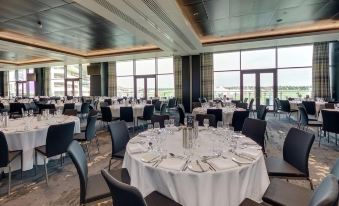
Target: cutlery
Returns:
[205, 157]
[176, 156]
[245, 157]
[211, 167]
[236, 161]
[159, 161]
[154, 158]
[186, 165]
[198, 163]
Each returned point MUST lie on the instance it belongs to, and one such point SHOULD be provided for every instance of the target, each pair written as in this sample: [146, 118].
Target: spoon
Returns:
[176, 156]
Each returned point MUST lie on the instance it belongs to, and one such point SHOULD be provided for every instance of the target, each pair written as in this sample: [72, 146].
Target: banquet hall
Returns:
[169, 102]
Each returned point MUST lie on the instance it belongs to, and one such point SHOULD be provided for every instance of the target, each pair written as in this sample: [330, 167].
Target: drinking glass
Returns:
[171, 122]
[167, 123]
[156, 125]
[149, 126]
[206, 123]
[31, 112]
[220, 125]
[185, 121]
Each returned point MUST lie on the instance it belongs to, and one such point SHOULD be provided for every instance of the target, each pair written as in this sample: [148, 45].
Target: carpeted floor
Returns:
[63, 186]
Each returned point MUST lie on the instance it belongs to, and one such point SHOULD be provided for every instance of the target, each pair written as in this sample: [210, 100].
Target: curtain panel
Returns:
[112, 79]
[47, 81]
[207, 75]
[6, 83]
[320, 71]
[177, 78]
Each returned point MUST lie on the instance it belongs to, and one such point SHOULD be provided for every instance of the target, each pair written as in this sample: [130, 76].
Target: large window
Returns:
[293, 65]
[162, 68]
[18, 83]
[12, 83]
[85, 81]
[57, 77]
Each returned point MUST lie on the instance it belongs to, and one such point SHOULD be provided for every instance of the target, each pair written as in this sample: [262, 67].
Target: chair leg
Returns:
[311, 184]
[46, 173]
[109, 164]
[36, 162]
[89, 158]
[61, 160]
[21, 162]
[9, 179]
[97, 141]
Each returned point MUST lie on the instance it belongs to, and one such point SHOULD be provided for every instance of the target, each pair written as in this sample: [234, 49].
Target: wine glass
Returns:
[167, 123]
[171, 122]
[149, 126]
[206, 123]
[220, 125]
[185, 121]
[156, 126]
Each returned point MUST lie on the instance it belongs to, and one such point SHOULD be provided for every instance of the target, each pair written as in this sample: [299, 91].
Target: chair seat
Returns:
[13, 154]
[249, 202]
[156, 199]
[315, 123]
[293, 110]
[80, 137]
[97, 187]
[279, 167]
[41, 149]
[280, 192]
[120, 154]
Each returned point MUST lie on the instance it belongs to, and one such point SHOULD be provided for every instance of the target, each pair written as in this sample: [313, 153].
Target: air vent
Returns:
[128, 20]
[163, 16]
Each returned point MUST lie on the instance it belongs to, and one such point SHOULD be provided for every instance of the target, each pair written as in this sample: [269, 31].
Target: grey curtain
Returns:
[177, 65]
[112, 79]
[320, 71]
[47, 81]
[207, 75]
[6, 83]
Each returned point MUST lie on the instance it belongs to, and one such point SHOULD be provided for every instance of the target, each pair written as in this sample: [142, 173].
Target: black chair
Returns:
[84, 109]
[108, 101]
[163, 109]
[294, 164]
[238, 119]
[211, 118]
[181, 115]
[92, 188]
[7, 157]
[310, 107]
[71, 112]
[157, 106]
[58, 139]
[159, 118]
[126, 114]
[217, 113]
[304, 123]
[284, 193]
[126, 195]
[329, 106]
[277, 106]
[335, 169]
[147, 114]
[202, 100]
[245, 100]
[330, 124]
[88, 135]
[106, 115]
[255, 129]
[172, 103]
[235, 102]
[286, 108]
[120, 137]
[68, 106]
[261, 112]
[250, 107]
[15, 109]
[69, 97]
[242, 105]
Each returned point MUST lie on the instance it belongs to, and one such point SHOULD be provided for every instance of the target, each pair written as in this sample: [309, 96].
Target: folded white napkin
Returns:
[249, 152]
[145, 133]
[222, 164]
[172, 164]
[247, 141]
[136, 148]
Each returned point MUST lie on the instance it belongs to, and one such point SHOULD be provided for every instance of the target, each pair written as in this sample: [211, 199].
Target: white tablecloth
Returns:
[318, 106]
[212, 188]
[77, 106]
[227, 113]
[138, 109]
[19, 139]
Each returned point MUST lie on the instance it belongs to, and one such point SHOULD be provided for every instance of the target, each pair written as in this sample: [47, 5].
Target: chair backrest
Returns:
[2, 106]
[148, 112]
[15, 107]
[310, 107]
[109, 101]
[297, 147]
[326, 194]
[250, 106]
[236, 102]
[123, 194]
[196, 105]
[242, 105]
[90, 132]
[335, 169]
[211, 118]
[163, 109]
[238, 119]
[261, 112]
[245, 100]
[172, 102]
[69, 106]
[71, 112]
[58, 138]
[106, 114]
[160, 118]
[285, 105]
[119, 136]
[181, 115]
[126, 114]
[330, 121]
[255, 129]
[4, 159]
[277, 105]
[79, 159]
[217, 113]
[93, 112]
[329, 106]
[157, 105]
[85, 108]
[103, 104]
[303, 116]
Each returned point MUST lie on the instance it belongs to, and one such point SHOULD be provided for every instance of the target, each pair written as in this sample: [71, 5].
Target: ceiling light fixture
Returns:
[40, 24]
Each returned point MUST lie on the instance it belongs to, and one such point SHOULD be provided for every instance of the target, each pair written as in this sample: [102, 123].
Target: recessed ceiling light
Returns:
[279, 20]
[196, 14]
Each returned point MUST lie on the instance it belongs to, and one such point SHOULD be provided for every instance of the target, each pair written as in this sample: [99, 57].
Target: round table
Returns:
[221, 187]
[34, 135]
[77, 106]
[227, 113]
[138, 109]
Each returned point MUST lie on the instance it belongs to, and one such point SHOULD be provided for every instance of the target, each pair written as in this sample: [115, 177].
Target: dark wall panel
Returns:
[104, 79]
[196, 84]
[186, 84]
[95, 85]
[39, 83]
[2, 83]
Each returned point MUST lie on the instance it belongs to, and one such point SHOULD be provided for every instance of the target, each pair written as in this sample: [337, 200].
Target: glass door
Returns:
[72, 87]
[259, 85]
[145, 86]
[21, 89]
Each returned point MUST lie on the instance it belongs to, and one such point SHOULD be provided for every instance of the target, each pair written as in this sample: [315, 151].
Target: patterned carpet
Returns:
[63, 186]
